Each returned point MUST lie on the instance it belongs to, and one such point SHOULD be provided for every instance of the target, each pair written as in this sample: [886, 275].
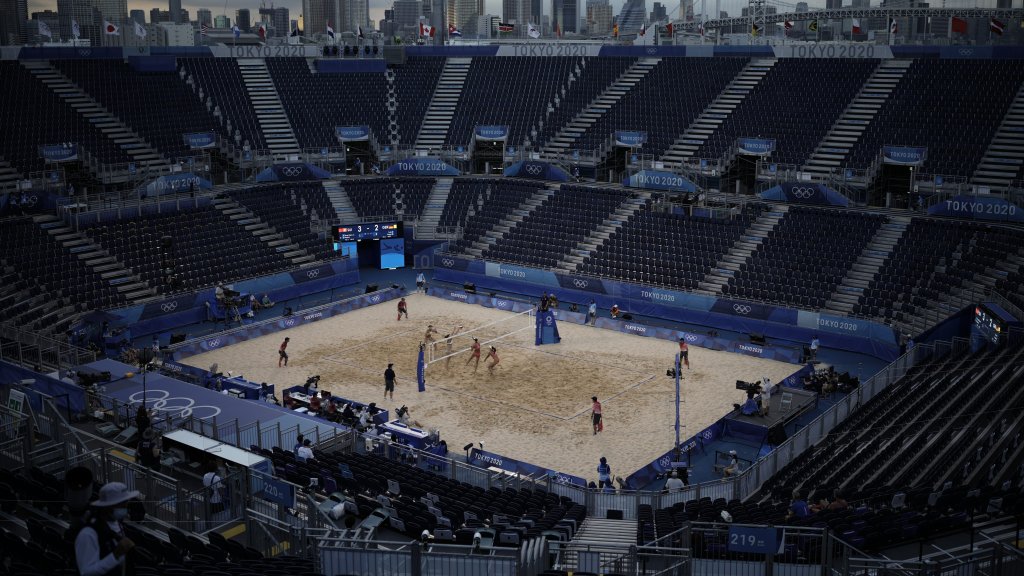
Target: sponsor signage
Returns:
[493, 133]
[755, 146]
[352, 133]
[65, 152]
[198, 140]
[904, 155]
[630, 139]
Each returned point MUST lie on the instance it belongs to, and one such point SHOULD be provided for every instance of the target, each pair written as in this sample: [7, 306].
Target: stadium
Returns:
[667, 307]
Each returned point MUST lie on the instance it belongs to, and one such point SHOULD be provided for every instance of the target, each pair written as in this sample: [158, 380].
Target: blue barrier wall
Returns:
[800, 326]
[64, 393]
[184, 309]
[244, 333]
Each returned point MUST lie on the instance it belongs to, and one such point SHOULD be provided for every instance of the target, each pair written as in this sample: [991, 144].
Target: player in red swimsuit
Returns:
[475, 354]
[492, 354]
[403, 309]
[684, 351]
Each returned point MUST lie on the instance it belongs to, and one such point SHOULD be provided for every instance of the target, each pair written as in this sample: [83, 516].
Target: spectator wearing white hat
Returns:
[101, 546]
[734, 465]
[674, 483]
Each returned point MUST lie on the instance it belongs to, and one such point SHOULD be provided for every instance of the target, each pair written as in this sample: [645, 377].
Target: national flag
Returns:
[615, 30]
[111, 29]
[75, 30]
[236, 30]
[856, 26]
[453, 31]
[558, 31]
[295, 33]
[669, 29]
[788, 25]
[359, 32]
[894, 27]
[330, 31]
[813, 26]
[996, 27]
[700, 29]
[44, 29]
[532, 31]
[426, 30]
[204, 29]
[755, 29]
[505, 27]
[261, 31]
[140, 30]
[959, 25]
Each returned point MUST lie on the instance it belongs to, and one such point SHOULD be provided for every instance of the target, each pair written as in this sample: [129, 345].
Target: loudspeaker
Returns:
[469, 287]
[756, 338]
[371, 288]
[776, 434]
[627, 316]
[614, 515]
[178, 338]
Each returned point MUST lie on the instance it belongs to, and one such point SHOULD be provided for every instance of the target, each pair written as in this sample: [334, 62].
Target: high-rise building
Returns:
[174, 8]
[137, 16]
[82, 12]
[276, 20]
[463, 14]
[13, 16]
[316, 14]
[833, 4]
[438, 20]
[221, 21]
[48, 17]
[355, 13]
[565, 14]
[157, 16]
[171, 34]
[406, 14]
[658, 12]
[242, 19]
[204, 16]
[114, 11]
[536, 11]
[515, 12]
[599, 17]
[631, 18]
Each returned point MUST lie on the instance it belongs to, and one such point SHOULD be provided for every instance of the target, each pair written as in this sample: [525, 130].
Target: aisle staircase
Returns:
[106, 266]
[630, 206]
[561, 142]
[438, 118]
[511, 221]
[340, 202]
[9, 176]
[870, 261]
[716, 113]
[744, 248]
[277, 129]
[264, 232]
[426, 228]
[141, 153]
[1005, 155]
[831, 153]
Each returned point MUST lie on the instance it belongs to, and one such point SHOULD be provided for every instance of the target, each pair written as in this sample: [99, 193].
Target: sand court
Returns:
[535, 406]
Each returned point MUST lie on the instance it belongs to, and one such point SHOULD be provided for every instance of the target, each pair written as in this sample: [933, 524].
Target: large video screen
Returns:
[392, 253]
[374, 231]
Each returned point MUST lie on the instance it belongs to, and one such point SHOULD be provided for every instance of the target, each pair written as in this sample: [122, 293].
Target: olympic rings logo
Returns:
[169, 306]
[85, 52]
[169, 404]
[534, 169]
[375, 299]
[289, 322]
[691, 337]
[500, 303]
[447, 262]
[803, 193]
[665, 462]
[741, 309]
[213, 343]
[707, 434]
[580, 283]
[966, 51]
[652, 51]
[313, 273]
[291, 170]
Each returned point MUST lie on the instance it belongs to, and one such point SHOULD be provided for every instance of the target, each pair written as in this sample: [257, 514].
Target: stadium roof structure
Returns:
[848, 13]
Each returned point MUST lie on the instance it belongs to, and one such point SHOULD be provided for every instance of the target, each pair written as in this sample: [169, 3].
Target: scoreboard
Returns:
[374, 231]
[988, 325]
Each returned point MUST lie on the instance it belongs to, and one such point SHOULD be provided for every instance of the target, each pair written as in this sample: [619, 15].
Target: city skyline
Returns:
[377, 7]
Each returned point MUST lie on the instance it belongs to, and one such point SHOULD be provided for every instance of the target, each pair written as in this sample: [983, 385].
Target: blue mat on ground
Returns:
[177, 399]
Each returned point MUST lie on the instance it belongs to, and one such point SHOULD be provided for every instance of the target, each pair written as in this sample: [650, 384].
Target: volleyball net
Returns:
[461, 342]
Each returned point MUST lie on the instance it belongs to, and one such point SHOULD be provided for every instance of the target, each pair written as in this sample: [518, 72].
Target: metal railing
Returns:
[40, 352]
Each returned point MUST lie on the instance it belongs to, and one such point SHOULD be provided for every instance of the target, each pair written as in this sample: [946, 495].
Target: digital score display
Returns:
[376, 231]
[988, 325]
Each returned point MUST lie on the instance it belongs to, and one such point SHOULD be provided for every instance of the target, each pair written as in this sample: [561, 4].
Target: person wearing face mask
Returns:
[101, 547]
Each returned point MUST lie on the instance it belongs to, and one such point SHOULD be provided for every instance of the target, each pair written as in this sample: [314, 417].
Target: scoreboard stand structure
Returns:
[388, 238]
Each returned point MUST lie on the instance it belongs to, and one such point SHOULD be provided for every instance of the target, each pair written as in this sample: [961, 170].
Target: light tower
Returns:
[757, 13]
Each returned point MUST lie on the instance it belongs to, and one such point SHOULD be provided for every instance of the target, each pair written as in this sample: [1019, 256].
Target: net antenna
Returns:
[462, 342]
